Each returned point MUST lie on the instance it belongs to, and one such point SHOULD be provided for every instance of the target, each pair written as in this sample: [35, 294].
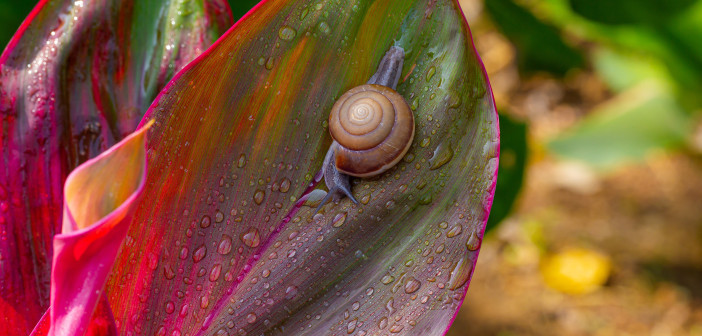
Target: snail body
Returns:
[372, 126]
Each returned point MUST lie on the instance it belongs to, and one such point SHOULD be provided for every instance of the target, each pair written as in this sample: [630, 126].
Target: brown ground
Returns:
[646, 217]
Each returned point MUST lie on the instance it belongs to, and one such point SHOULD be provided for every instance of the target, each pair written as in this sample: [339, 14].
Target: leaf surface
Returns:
[226, 243]
[75, 79]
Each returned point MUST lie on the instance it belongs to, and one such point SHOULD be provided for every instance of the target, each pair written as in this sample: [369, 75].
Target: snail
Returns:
[372, 128]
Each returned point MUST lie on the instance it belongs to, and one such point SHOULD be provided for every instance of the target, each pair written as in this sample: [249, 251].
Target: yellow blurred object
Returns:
[576, 271]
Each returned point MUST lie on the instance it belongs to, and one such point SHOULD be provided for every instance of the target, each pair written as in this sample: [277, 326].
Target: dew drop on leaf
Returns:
[388, 279]
[251, 238]
[383, 323]
[170, 307]
[351, 327]
[290, 292]
[473, 242]
[455, 231]
[251, 318]
[430, 73]
[442, 155]
[258, 196]
[284, 185]
[168, 272]
[200, 253]
[412, 285]
[219, 217]
[215, 272]
[286, 33]
[339, 220]
[460, 273]
[323, 28]
[205, 221]
[225, 245]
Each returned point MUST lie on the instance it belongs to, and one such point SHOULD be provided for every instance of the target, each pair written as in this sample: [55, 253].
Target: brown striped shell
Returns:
[374, 128]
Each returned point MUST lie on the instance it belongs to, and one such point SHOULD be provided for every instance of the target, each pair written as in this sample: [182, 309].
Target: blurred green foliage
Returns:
[646, 51]
[539, 45]
[12, 13]
[241, 7]
[510, 175]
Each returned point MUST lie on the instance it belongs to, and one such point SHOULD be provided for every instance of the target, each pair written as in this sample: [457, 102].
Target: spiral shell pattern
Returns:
[374, 128]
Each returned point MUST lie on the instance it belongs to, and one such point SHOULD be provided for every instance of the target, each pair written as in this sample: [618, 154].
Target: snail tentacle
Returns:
[388, 74]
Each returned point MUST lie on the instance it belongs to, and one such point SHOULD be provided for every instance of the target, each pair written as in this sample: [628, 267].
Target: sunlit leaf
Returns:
[627, 128]
[75, 79]
[222, 242]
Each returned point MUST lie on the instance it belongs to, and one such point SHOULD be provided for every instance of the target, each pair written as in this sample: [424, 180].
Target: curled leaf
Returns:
[100, 197]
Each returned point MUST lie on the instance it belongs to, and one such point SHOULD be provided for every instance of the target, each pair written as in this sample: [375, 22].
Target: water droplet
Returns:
[396, 328]
[339, 220]
[454, 231]
[388, 279]
[168, 272]
[425, 142]
[266, 273]
[365, 199]
[351, 327]
[200, 253]
[225, 245]
[170, 307]
[251, 238]
[431, 73]
[269, 63]
[204, 302]
[473, 242]
[442, 155]
[370, 291]
[355, 306]
[323, 28]
[383, 323]
[219, 217]
[183, 253]
[412, 285]
[258, 196]
[286, 33]
[415, 104]
[443, 225]
[453, 99]
[460, 274]
[284, 185]
[205, 221]
[242, 161]
[214, 273]
[290, 292]
[251, 318]
[304, 12]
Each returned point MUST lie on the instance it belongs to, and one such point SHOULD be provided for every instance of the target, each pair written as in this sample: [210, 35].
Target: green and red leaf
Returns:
[75, 79]
[225, 242]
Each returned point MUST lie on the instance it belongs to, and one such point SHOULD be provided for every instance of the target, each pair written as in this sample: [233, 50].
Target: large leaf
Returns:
[75, 79]
[224, 243]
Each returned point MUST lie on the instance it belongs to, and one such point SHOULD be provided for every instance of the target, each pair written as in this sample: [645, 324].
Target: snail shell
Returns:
[374, 128]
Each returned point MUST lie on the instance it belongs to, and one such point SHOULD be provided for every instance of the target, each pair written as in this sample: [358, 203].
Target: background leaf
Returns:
[539, 45]
[76, 78]
[513, 159]
[225, 243]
